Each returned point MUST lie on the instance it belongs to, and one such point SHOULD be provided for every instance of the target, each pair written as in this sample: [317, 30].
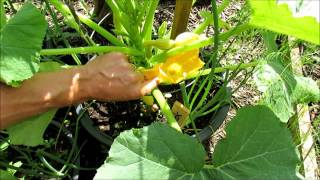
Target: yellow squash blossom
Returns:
[176, 68]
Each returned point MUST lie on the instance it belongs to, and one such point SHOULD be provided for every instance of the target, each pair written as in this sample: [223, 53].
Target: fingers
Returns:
[148, 86]
[115, 57]
[132, 77]
[141, 89]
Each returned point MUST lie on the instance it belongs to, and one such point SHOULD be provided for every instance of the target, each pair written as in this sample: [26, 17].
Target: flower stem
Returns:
[198, 44]
[106, 34]
[223, 69]
[90, 49]
[165, 109]
[147, 28]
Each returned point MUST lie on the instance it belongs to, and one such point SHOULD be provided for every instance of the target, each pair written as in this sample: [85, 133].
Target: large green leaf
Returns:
[267, 14]
[257, 146]
[279, 101]
[30, 131]
[5, 175]
[50, 66]
[20, 40]
[282, 89]
[306, 90]
[153, 152]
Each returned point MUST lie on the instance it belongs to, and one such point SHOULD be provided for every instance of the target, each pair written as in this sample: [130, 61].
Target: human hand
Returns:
[113, 78]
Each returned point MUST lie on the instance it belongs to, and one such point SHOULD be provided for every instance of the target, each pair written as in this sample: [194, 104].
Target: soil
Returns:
[114, 117]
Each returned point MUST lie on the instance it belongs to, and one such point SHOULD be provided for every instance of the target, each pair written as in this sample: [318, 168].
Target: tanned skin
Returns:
[109, 77]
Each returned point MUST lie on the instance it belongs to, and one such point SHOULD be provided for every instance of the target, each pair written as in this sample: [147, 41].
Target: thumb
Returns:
[148, 86]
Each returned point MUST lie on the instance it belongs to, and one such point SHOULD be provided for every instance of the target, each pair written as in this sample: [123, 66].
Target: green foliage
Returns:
[257, 146]
[5, 175]
[30, 131]
[3, 19]
[282, 89]
[278, 18]
[278, 99]
[263, 150]
[306, 90]
[49, 66]
[20, 40]
[155, 152]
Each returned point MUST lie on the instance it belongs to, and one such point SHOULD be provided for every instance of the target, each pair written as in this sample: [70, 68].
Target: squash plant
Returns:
[258, 145]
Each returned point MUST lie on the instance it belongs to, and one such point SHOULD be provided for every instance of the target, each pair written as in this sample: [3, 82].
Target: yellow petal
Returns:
[185, 38]
[152, 73]
[177, 68]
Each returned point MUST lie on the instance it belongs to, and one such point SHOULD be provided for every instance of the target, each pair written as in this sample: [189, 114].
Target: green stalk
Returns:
[184, 94]
[74, 143]
[174, 51]
[205, 94]
[48, 165]
[54, 158]
[3, 18]
[214, 56]
[147, 27]
[223, 5]
[55, 21]
[166, 109]
[235, 31]
[193, 124]
[90, 49]
[220, 95]
[103, 32]
[198, 44]
[210, 110]
[65, 11]
[203, 83]
[223, 69]
[116, 14]
[201, 27]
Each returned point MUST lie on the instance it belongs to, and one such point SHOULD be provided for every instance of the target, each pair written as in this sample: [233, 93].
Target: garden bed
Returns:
[95, 134]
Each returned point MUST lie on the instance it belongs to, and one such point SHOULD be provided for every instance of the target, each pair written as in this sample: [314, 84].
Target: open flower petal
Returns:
[177, 68]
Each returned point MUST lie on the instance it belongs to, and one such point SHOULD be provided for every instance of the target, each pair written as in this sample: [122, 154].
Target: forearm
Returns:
[109, 77]
[41, 93]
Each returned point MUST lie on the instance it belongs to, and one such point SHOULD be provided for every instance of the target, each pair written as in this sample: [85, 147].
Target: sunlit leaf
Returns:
[5, 175]
[154, 152]
[282, 89]
[30, 131]
[257, 146]
[267, 14]
[20, 40]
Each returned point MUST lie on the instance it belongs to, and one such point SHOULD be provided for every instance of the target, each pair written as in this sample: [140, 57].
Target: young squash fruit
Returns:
[177, 68]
